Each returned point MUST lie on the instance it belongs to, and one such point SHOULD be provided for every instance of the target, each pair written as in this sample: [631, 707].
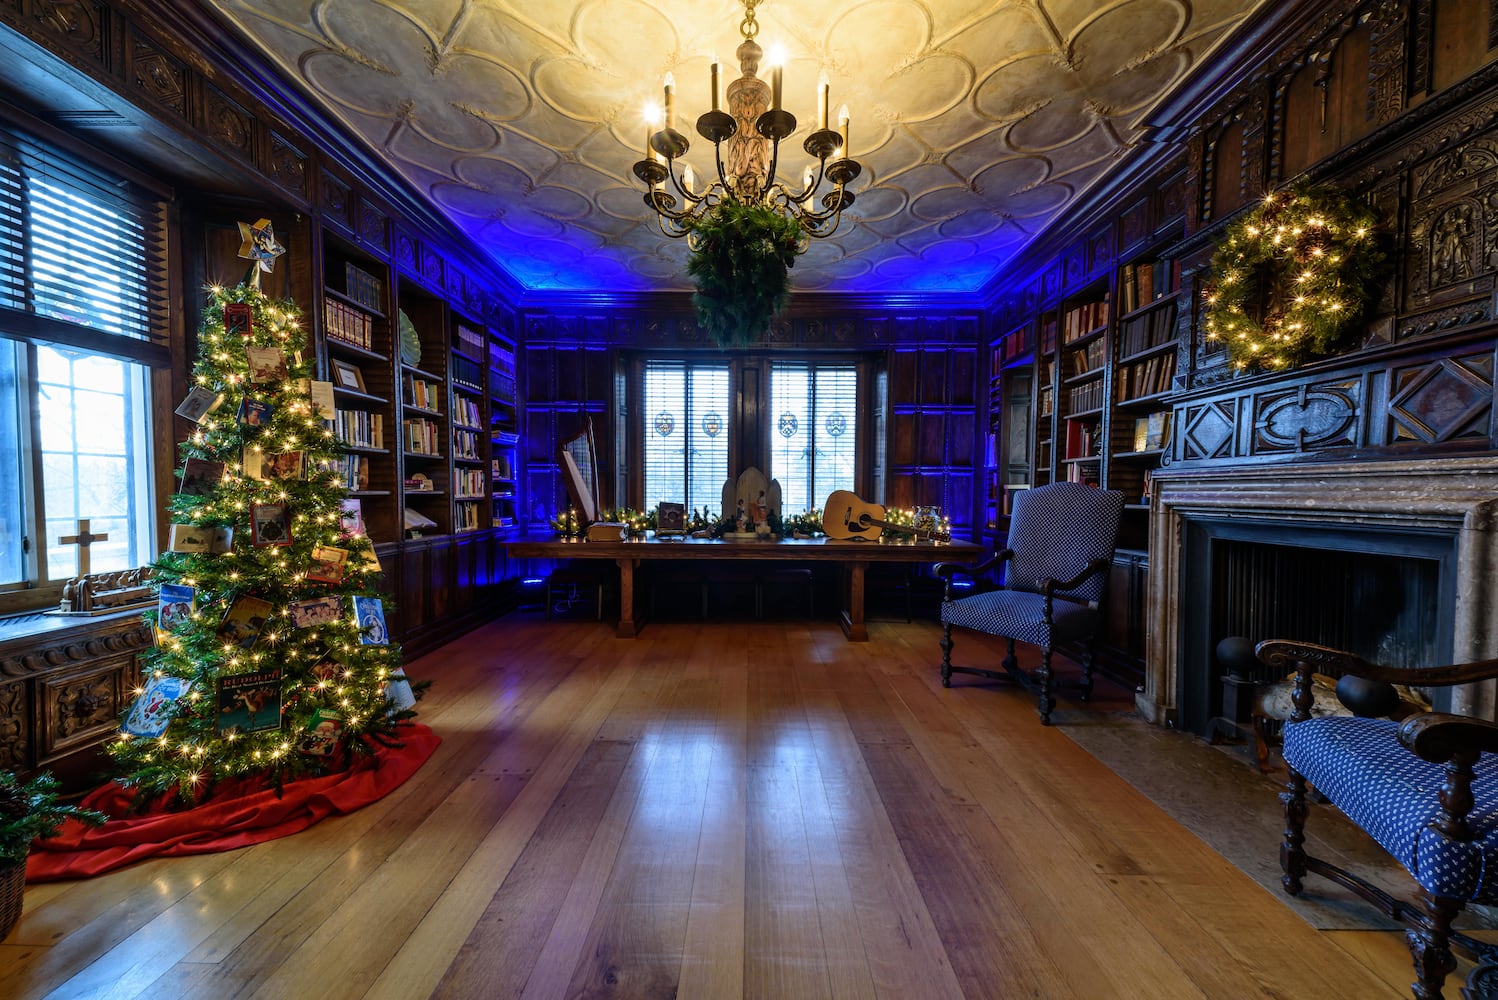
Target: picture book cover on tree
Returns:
[244, 620]
[200, 477]
[255, 413]
[174, 604]
[270, 524]
[322, 732]
[152, 709]
[199, 403]
[314, 611]
[369, 613]
[327, 565]
[249, 703]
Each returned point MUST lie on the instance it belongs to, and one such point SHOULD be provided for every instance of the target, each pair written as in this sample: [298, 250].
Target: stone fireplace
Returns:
[1397, 561]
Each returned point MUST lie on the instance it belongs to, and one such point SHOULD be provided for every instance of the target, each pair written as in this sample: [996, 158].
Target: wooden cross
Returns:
[83, 540]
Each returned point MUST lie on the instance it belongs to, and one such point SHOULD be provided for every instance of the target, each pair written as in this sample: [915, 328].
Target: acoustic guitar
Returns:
[845, 517]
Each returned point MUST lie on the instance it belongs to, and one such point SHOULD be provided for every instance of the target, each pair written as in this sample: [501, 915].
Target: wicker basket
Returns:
[12, 886]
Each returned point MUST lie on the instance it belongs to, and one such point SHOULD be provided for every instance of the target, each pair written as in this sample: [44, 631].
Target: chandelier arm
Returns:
[774, 163]
[689, 200]
[718, 161]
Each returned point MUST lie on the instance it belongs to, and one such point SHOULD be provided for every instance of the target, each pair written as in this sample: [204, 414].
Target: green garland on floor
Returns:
[1292, 278]
[741, 259]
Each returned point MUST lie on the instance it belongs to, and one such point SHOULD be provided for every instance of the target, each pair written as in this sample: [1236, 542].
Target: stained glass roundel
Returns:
[789, 425]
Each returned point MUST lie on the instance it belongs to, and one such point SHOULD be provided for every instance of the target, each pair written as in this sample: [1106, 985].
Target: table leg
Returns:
[627, 628]
[851, 618]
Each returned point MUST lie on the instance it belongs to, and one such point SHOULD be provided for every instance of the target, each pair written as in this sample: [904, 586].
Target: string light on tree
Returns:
[1292, 278]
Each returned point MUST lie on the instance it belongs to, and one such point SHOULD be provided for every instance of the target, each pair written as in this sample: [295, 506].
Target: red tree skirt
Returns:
[238, 814]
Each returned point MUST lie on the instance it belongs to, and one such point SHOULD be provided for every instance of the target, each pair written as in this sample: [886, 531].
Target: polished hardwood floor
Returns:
[708, 811]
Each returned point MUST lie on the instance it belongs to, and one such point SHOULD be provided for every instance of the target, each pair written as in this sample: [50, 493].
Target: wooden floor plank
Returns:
[741, 809]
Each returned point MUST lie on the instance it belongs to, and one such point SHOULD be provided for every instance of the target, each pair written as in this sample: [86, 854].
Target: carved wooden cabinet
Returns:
[63, 685]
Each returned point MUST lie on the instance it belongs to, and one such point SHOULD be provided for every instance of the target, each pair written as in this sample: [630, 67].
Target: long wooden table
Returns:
[854, 557]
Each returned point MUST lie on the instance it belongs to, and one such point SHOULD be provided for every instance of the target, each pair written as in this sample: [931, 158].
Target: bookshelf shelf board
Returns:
[413, 370]
[1096, 411]
[458, 352]
[1151, 453]
[431, 456]
[369, 493]
[413, 408]
[1083, 338]
[1082, 461]
[468, 496]
[468, 460]
[1169, 298]
[355, 396]
[468, 427]
[1151, 400]
[1091, 376]
[348, 300]
[360, 449]
[353, 350]
[1149, 352]
[423, 494]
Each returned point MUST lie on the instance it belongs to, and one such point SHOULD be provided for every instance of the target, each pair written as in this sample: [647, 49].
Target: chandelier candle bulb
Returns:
[777, 72]
[823, 89]
[688, 179]
[670, 100]
[842, 127]
[714, 82]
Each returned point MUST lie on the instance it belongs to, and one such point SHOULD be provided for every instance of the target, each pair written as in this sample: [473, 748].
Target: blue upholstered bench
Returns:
[1425, 789]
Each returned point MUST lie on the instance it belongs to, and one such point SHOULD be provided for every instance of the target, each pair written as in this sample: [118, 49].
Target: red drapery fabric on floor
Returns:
[238, 814]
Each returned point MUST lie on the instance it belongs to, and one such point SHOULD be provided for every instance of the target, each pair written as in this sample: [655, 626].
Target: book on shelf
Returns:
[360, 428]
[470, 341]
[420, 392]
[1154, 329]
[1086, 473]
[466, 411]
[1144, 282]
[363, 287]
[345, 323]
[1080, 320]
[1081, 398]
[467, 374]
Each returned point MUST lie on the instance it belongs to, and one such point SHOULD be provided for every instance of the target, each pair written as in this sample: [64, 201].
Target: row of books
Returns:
[360, 428]
[469, 484]
[470, 341]
[1081, 398]
[467, 374]
[363, 287]
[1150, 330]
[353, 470]
[1082, 319]
[1083, 438]
[343, 322]
[1090, 358]
[1140, 284]
[499, 466]
[420, 392]
[466, 411]
[422, 436]
[1146, 378]
[1047, 400]
[501, 359]
[466, 445]
[502, 385]
[466, 517]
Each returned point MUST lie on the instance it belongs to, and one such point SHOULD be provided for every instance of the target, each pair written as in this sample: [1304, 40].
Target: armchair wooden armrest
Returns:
[1438, 736]
[947, 571]
[1051, 588]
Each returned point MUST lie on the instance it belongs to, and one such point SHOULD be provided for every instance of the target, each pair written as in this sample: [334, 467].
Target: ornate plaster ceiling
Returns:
[977, 122]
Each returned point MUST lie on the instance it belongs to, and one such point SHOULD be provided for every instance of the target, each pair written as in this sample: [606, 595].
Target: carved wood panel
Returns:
[82, 707]
[1447, 399]
[1307, 417]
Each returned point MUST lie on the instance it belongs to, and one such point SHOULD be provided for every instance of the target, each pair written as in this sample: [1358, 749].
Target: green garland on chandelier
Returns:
[1292, 278]
[741, 259]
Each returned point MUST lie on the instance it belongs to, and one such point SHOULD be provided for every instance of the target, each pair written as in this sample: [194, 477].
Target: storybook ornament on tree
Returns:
[260, 647]
[1293, 278]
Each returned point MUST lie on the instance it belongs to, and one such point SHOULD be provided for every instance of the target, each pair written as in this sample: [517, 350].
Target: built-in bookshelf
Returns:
[1082, 360]
[469, 444]
[426, 475]
[357, 334]
[504, 438]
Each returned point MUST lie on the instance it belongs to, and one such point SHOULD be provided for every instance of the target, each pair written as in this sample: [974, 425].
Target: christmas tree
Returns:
[271, 656]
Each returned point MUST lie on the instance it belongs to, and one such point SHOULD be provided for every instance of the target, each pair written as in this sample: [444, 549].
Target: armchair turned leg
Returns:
[1089, 654]
[1010, 663]
[1292, 848]
[946, 654]
[1043, 676]
[1430, 943]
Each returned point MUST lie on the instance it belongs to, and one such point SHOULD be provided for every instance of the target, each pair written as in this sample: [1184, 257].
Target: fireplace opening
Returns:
[1386, 594]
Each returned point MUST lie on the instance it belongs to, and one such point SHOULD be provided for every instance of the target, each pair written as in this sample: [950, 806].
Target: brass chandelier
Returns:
[751, 130]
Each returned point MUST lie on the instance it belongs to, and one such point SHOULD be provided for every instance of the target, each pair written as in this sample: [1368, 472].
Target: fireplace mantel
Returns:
[1459, 496]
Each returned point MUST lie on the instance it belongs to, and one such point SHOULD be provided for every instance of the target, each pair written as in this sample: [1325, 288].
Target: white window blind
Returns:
[814, 431]
[686, 410]
[80, 250]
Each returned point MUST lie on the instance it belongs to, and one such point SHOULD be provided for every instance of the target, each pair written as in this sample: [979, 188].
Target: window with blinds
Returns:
[83, 320]
[814, 432]
[80, 251]
[686, 409]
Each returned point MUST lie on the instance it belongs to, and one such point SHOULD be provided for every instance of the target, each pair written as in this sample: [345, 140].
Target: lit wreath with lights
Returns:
[1291, 278]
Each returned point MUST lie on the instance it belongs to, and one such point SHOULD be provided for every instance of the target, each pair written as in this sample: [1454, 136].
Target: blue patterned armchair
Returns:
[1426, 789]
[1061, 539]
